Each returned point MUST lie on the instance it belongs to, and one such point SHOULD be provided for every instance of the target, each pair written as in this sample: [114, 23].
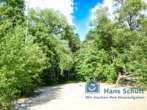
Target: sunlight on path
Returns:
[72, 97]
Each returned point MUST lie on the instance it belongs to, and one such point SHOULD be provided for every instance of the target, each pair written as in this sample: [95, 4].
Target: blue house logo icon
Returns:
[92, 87]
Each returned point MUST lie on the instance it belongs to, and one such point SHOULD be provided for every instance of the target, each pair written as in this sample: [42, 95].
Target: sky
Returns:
[82, 15]
[77, 12]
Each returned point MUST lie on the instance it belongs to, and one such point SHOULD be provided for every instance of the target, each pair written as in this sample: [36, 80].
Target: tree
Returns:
[120, 43]
[12, 10]
[130, 12]
[11, 14]
[57, 40]
[20, 65]
[72, 37]
[42, 55]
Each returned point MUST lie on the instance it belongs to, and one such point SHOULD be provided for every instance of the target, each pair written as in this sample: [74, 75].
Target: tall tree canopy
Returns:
[57, 39]
[119, 44]
[33, 51]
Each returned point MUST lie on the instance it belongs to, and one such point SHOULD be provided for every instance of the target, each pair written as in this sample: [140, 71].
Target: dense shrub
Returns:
[20, 65]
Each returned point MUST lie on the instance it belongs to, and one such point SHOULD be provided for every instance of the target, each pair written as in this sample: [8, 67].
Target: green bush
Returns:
[21, 62]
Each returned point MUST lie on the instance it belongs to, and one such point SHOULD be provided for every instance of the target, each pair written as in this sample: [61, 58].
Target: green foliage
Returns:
[130, 12]
[92, 63]
[12, 10]
[74, 41]
[116, 47]
[40, 52]
[48, 49]
[57, 40]
[20, 65]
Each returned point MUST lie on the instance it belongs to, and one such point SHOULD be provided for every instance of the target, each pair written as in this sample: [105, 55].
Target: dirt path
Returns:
[72, 97]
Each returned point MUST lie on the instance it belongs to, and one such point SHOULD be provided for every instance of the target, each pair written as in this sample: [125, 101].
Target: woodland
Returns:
[41, 48]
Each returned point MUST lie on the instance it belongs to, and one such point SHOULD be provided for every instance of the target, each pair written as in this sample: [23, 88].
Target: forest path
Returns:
[72, 97]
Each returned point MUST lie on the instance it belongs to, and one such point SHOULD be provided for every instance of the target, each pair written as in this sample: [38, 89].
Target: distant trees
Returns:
[57, 39]
[116, 47]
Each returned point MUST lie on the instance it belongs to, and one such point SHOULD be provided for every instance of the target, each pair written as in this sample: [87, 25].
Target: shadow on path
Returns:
[46, 94]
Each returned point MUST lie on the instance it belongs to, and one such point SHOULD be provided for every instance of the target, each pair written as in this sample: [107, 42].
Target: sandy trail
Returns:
[72, 97]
